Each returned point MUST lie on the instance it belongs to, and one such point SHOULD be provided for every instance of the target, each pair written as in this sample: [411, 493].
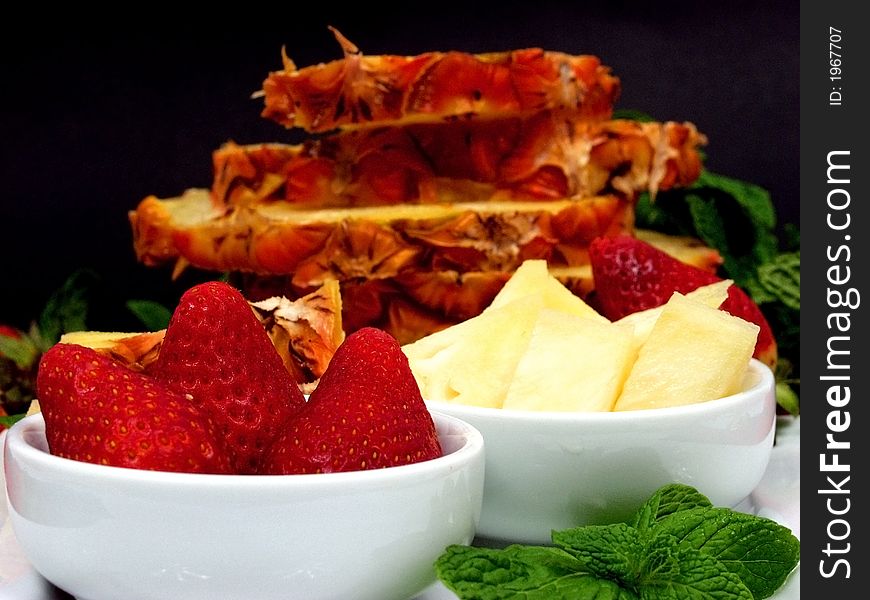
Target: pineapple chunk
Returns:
[474, 363]
[432, 344]
[98, 340]
[533, 279]
[136, 350]
[694, 353]
[571, 364]
[642, 322]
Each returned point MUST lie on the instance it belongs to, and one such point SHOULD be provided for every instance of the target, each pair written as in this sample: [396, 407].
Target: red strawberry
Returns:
[217, 351]
[631, 275]
[366, 413]
[99, 411]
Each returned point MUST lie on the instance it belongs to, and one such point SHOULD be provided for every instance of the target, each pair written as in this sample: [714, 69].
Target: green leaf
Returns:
[631, 114]
[67, 308]
[667, 500]
[607, 551]
[781, 279]
[154, 316]
[791, 238]
[10, 420]
[760, 551]
[734, 217]
[682, 549]
[787, 398]
[679, 573]
[526, 572]
[753, 198]
[22, 351]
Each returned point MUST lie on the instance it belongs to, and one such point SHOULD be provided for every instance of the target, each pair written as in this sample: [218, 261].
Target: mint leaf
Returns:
[607, 551]
[734, 217]
[667, 500]
[754, 199]
[780, 279]
[677, 547]
[760, 551]
[674, 573]
[67, 308]
[527, 572]
[153, 315]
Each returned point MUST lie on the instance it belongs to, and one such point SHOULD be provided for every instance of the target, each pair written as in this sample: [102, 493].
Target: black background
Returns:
[99, 112]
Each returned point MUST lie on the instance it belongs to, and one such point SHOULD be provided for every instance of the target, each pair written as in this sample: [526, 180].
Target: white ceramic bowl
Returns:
[104, 533]
[552, 470]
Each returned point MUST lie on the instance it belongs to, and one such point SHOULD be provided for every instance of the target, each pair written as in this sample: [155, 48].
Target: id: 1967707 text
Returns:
[835, 64]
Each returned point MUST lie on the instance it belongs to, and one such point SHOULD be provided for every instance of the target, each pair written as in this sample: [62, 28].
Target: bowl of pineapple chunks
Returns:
[584, 417]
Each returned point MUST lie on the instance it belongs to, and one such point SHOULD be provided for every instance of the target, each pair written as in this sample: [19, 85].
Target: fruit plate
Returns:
[776, 497]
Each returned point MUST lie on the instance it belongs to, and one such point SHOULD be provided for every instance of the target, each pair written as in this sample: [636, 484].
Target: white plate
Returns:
[776, 497]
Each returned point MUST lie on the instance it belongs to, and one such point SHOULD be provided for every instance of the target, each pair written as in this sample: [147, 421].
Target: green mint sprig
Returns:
[676, 547]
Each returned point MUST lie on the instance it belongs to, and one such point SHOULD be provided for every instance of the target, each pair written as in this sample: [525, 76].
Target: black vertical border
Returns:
[827, 127]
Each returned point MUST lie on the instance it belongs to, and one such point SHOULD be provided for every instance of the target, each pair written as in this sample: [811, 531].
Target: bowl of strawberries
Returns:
[209, 474]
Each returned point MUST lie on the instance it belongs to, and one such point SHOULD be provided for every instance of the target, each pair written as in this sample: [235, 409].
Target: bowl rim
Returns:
[759, 374]
[17, 446]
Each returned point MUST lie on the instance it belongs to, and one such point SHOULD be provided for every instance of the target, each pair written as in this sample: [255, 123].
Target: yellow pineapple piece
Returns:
[432, 344]
[571, 364]
[473, 363]
[642, 322]
[694, 353]
[136, 350]
[532, 277]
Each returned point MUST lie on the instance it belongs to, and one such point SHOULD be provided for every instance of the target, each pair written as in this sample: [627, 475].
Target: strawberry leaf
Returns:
[154, 316]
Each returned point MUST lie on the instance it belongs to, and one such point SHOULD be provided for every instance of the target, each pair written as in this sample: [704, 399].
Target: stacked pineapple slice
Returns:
[430, 181]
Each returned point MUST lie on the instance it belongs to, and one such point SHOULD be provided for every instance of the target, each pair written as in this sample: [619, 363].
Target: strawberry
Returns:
[366, 413]
[216, 351]
[97, 410]
[631, 275]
